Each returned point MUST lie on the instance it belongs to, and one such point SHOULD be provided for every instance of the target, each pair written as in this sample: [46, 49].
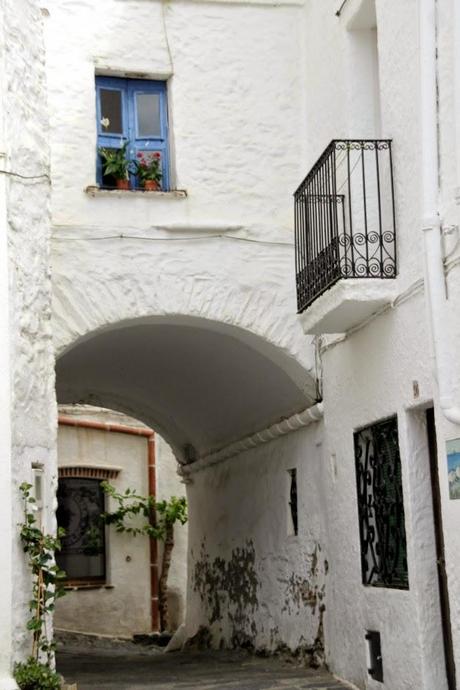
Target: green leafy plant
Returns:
[33, 675]
[159, 518]
[115, 162]
[47, 581]
[148, 166]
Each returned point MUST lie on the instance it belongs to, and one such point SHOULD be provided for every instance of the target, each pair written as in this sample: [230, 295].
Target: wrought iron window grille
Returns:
[380, 506]
[80, 503]
[345, 217]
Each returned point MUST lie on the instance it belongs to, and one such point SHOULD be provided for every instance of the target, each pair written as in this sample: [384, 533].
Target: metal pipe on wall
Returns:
[431, 223]
[149, 434]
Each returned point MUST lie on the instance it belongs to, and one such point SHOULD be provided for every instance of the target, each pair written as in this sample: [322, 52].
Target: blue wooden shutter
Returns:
[111, 98]
[148, 122]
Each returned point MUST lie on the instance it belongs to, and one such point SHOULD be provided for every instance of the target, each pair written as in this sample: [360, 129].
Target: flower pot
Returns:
[151, 186]
[122, 184]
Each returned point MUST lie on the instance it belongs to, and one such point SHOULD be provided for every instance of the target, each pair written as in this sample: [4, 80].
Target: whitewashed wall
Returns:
[122, 608]
[28, 408]
[236, 114]
[370, 374]
[235, 97]
[252, 106]
[236, 105]
[252, 582]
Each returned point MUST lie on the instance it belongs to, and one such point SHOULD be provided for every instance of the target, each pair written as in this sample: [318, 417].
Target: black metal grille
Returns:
[345, 218]
[80, 504]
[381, 507]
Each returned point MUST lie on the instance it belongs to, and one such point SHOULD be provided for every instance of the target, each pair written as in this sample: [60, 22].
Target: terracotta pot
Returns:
[151, 185]
[122, 184]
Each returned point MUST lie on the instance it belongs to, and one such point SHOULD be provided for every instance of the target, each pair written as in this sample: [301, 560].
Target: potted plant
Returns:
[148, 169]
[115, 163]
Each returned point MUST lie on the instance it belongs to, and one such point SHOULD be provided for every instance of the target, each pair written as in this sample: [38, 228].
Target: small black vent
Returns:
[375, 669]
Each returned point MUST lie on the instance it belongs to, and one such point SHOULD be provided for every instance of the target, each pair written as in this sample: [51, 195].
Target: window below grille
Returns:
[380, 505]
[80, 504]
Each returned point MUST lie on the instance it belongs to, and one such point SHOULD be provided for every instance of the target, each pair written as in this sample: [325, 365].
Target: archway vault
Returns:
[201, 383]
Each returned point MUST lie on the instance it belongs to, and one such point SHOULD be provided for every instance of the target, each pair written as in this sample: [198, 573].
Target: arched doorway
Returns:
[205, 385]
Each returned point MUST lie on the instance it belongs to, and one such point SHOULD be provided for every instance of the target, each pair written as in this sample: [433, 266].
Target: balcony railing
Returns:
[345, 218]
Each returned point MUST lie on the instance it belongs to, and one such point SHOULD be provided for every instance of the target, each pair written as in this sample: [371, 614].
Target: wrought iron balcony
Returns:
[345, 218]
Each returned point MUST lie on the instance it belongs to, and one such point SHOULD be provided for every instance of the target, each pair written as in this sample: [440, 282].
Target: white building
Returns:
[112, 581]
[178, 307]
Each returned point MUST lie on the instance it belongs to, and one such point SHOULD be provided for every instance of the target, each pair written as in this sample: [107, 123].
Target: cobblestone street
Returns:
[110, 670]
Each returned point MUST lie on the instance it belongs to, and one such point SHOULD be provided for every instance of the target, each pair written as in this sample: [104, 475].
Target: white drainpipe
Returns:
[434, 277]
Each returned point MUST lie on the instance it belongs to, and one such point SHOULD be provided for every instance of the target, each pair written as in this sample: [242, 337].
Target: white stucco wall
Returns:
[235, 88]
[122, 606]
[408, 620]
[256, 93]
[28, 408]
[370, 375]
[251, 580]
[236, 113]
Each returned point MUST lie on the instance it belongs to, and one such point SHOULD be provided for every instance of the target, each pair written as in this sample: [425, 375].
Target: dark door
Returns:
[440, 559]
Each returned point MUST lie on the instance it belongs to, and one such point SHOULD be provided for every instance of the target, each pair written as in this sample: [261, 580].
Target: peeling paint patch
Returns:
[300, 593]
[306, 590]
[229, 587]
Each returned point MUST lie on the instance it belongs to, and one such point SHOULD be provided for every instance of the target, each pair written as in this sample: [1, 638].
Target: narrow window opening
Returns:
[364, 83]
[37, 489]
[293, 513]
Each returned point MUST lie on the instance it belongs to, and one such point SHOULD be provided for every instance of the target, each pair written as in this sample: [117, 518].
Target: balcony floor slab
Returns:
[347, 304]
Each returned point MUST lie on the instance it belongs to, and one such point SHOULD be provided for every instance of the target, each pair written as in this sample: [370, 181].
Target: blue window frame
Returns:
[133, 111]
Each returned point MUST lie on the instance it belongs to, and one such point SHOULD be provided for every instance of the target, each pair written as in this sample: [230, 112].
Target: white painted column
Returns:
[6, 517]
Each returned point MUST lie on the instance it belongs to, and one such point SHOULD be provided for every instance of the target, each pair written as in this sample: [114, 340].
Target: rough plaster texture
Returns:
[124, 609]
[223, 92]
[25, 222]
[390, 367]
[251, 582]
[369, 375]
[187, 271]
[275, 85]
[222, 388]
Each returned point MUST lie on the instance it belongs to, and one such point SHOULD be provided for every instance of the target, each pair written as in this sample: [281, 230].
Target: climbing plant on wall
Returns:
[158, 520]
[47, 586]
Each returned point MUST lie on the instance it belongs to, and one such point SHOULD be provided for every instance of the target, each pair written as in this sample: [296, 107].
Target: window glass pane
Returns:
[80, 503]
[111, 112]
[148, 115]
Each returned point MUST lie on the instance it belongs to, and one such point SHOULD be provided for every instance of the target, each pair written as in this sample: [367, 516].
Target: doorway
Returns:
[440, 555]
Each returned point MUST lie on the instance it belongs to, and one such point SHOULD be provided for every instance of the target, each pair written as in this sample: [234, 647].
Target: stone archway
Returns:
[201, 384]
[200, 340]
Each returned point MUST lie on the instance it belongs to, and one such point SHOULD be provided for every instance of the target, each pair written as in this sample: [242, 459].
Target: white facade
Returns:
[121, 606]
[180, 309]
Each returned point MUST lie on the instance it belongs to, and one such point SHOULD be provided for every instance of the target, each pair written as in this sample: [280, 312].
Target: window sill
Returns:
[73, 587]
[94, 190]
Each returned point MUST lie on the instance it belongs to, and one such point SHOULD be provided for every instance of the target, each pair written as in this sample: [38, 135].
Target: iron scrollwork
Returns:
[345, 218]
[381, 506]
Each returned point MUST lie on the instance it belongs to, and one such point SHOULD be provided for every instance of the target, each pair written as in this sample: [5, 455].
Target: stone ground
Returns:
[125, 668]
